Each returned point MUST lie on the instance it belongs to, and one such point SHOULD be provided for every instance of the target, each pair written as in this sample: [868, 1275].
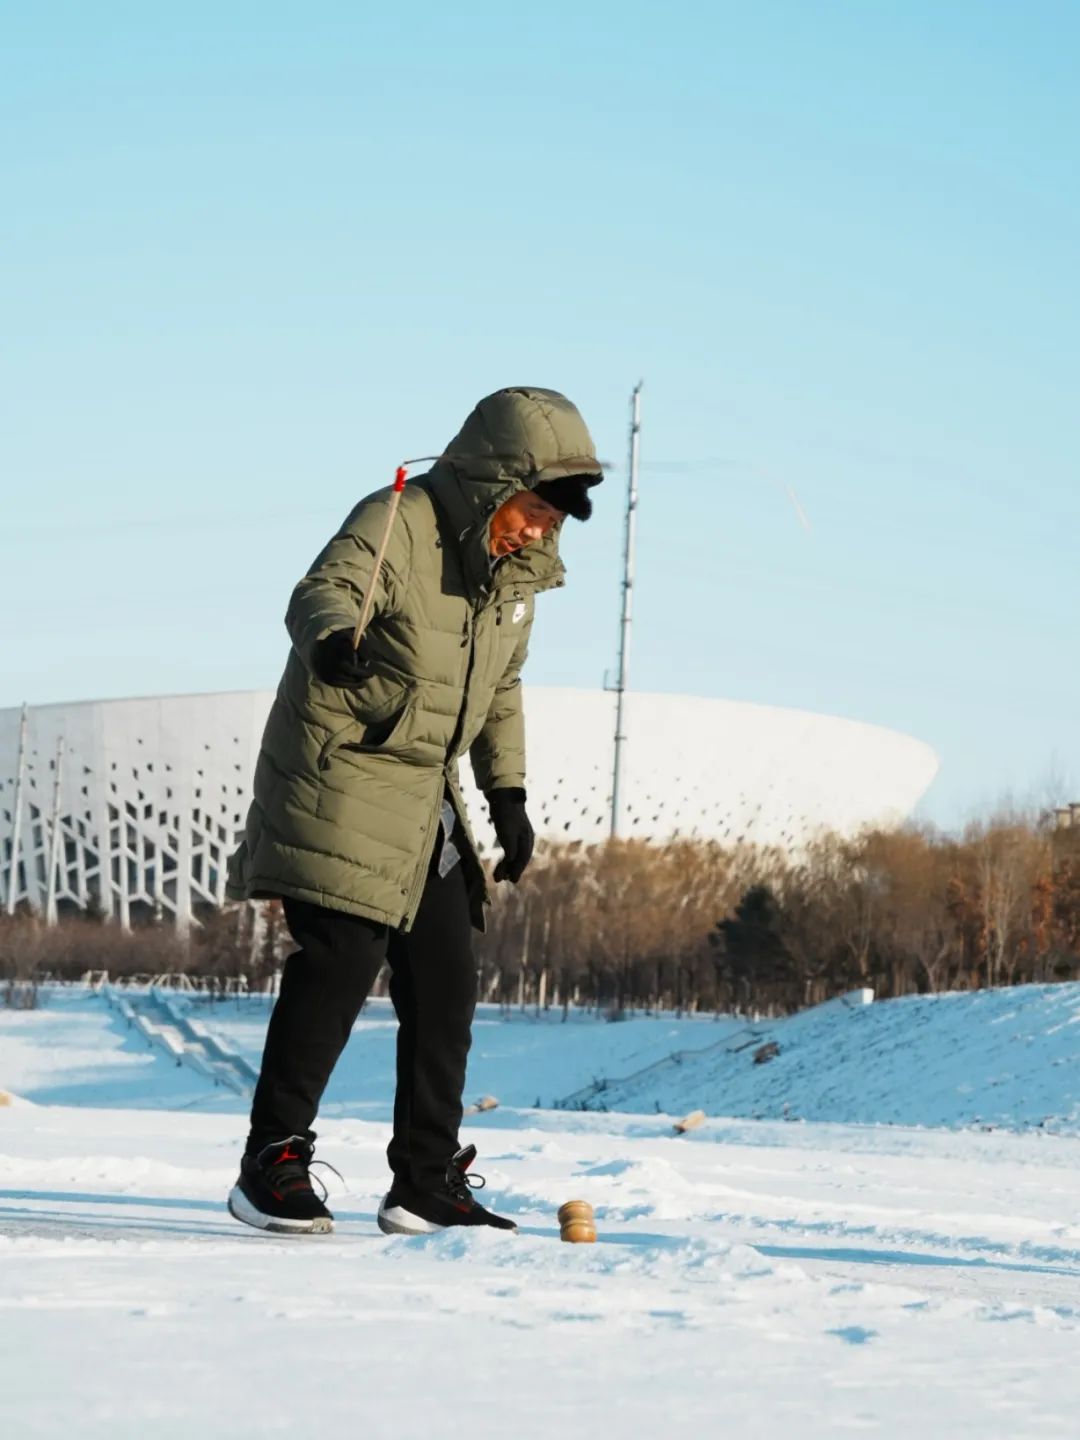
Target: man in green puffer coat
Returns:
[357, 820]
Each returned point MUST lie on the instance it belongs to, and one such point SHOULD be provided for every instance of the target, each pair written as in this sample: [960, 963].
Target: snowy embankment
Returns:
[78, 1050]
[1008, 1058]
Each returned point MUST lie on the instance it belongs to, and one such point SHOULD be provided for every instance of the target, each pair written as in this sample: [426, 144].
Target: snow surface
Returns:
[753, 1278]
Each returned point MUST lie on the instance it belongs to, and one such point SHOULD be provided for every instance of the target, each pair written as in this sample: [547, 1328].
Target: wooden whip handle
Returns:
[380, 556]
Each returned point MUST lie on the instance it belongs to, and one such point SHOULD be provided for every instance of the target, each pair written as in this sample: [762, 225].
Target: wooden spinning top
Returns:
[577, 1222]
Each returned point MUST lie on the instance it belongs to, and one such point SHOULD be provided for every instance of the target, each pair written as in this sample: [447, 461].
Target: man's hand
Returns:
[513, 831]
[337, 663]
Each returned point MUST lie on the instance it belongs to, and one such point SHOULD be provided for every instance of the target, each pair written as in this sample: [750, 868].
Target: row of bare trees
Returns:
[699, 926]
[247, 941]
[691, 925]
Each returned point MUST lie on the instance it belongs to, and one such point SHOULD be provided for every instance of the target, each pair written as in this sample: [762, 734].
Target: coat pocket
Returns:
[334, 742]
[366, 736]
[383, 694]
[378, 734]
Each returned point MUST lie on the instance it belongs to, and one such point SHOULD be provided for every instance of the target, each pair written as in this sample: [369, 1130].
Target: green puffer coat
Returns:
[349, 782]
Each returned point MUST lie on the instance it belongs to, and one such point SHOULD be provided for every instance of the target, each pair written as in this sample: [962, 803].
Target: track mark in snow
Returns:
[849, 1256]
[854, 1334]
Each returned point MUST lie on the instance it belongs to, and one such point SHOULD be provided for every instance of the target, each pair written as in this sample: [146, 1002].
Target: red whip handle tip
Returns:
[399, 478]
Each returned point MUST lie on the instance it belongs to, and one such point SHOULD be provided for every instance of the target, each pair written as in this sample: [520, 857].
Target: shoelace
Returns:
[319, 1180]
[461, 1184]
[299, 1172]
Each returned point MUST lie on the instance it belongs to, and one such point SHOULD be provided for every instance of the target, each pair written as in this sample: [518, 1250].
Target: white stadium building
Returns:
[135, 805]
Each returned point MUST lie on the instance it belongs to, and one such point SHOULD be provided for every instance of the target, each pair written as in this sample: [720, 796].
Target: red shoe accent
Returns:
[285, 1155]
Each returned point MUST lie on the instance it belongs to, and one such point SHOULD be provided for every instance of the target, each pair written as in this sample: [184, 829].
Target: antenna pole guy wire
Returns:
[627, 607]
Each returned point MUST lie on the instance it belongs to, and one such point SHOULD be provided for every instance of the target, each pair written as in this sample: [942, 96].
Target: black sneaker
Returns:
[274, 1191]
[407, 1211]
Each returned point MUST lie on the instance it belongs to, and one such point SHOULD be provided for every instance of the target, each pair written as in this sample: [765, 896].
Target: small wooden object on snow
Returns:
[689, 1122]
[5, 1098]
[577, 1223]
[486, 1102]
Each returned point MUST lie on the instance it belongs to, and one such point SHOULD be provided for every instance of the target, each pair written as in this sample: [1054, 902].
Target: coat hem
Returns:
[256, 889]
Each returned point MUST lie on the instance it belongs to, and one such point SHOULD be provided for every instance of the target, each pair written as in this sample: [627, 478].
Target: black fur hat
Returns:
[569, 493]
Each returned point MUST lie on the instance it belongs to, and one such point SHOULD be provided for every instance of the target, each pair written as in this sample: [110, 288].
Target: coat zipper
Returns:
[468, 638]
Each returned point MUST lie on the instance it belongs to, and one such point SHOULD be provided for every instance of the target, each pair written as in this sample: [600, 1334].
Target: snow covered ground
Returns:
[759, 1279]
[754, 1278]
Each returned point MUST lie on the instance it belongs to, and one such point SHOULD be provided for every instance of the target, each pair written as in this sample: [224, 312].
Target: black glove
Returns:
[513, 831]
[335, 662]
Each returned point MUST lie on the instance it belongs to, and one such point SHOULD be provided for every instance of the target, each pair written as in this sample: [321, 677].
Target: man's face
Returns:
[520, 521]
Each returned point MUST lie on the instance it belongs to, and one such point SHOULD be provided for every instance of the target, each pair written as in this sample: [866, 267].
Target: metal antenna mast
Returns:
[627, 606]
[16, 819]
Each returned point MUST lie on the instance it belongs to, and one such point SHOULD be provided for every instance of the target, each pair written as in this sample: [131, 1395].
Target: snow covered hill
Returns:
[1005, 1058]
[1008, 1058]
[75, 1050]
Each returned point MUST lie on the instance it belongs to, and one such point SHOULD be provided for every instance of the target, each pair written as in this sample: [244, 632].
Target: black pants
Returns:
[323, 986]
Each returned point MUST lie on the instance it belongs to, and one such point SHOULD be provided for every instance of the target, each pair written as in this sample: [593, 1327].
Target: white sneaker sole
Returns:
[241, 1208]
[396, 1220]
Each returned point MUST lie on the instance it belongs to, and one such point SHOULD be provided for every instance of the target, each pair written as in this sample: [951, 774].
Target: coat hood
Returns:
[513, 440]
[523, 433]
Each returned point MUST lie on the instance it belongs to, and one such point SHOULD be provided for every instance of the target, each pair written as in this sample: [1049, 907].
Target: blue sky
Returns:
[255, 254]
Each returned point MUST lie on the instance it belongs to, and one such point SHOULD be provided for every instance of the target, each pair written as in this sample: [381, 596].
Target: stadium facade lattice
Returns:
[134, 806]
